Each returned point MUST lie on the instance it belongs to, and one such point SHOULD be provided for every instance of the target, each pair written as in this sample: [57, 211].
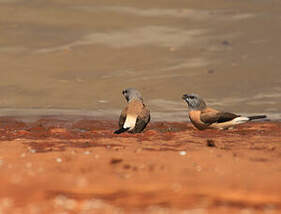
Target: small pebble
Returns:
[182, 153]
[225, 42]
[115, 160]
[59, 160]
[87, 152]
[211, 143]
[60, 200]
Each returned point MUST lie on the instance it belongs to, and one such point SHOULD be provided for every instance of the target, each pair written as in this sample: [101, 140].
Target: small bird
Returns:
[203, 117]
[135, 116]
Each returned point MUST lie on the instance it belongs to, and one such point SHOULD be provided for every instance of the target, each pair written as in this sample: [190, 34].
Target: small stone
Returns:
[225, 42]
[32, 150]
[182, 153]
[127, 166]
[211, 143]
[87, 152]
[60, 200]
[116, 160]
[59, 160]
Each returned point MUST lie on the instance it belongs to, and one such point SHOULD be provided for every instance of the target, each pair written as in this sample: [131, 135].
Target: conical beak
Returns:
[185, 96]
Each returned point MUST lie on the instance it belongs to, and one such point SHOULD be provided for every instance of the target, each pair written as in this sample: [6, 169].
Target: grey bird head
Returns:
[132, 93]
[194, 101]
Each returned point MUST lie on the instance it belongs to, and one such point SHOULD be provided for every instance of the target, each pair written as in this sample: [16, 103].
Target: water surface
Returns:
[76, 56]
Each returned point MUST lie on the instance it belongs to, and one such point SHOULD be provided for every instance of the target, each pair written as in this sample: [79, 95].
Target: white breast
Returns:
[130, 122]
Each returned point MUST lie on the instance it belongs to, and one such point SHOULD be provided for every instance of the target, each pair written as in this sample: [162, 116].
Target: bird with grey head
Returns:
[135, 116]
[203, 117]
[131, 93]
[194, 102]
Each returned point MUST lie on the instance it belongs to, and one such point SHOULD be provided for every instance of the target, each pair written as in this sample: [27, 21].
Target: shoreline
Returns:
[110, 114]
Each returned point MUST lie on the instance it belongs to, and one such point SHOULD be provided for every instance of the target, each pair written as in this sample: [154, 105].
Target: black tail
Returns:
[119, 131]
[257, 117]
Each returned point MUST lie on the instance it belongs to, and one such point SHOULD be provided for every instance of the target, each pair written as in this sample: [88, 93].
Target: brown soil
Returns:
[78, 166]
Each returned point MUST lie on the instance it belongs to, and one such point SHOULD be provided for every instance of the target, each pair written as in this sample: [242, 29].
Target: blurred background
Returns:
[75, 57]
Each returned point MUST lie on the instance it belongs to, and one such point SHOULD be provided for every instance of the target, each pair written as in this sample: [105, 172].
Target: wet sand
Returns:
[76, 165]
[70, 55]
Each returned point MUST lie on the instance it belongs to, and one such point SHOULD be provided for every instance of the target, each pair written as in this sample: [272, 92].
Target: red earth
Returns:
[77, 165]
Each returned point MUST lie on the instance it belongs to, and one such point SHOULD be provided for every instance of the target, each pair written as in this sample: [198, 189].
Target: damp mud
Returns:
[79, 55]
[55, 164]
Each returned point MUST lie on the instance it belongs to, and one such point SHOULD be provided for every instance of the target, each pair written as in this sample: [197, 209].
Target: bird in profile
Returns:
[203, 117]
[135, 116]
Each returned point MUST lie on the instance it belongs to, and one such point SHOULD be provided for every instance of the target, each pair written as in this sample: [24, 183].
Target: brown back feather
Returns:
[210, 116]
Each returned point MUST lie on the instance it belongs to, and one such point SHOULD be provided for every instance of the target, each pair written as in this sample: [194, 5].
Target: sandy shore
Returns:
[52, 165]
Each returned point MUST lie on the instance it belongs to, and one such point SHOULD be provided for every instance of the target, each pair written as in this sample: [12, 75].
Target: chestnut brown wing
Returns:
[217, 117]
[122, 117]
[142, 120]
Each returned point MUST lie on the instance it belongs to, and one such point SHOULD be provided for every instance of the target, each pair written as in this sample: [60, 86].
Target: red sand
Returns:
[79, 166]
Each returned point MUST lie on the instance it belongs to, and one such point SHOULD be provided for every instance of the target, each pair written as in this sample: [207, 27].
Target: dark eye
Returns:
[124, 92]
[191, 97]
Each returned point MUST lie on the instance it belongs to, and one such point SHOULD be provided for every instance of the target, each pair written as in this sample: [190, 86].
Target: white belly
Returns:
[130, 122]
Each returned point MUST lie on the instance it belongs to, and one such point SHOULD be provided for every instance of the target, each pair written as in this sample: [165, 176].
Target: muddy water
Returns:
[67, 56]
